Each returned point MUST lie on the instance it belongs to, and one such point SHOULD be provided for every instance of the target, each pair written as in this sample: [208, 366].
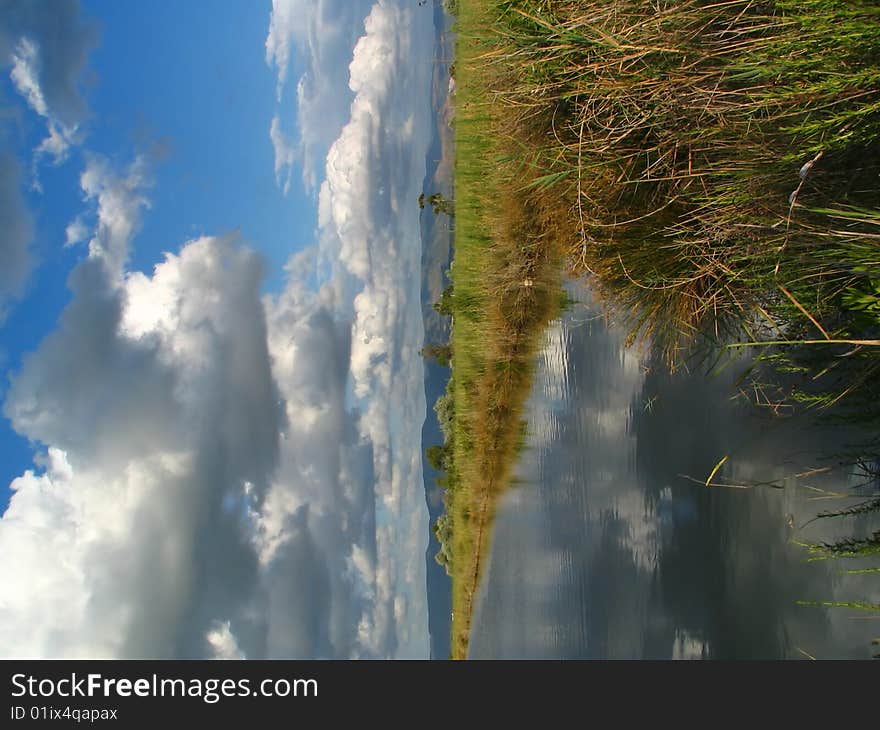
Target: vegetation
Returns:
[442, 459]
[438, 203]
[444, 306]
[441, 353]
[713, 167]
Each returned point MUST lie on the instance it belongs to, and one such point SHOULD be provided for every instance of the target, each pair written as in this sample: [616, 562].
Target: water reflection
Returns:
[606, 550]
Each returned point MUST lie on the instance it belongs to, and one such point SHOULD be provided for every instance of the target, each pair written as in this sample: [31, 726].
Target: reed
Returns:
[712, 167]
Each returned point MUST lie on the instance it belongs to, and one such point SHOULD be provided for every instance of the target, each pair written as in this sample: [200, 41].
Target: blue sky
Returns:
[191, 78]
[213, 398]
[188, 84]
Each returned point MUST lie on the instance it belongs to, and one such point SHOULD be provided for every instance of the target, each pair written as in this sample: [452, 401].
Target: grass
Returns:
[506, 274]
[696, 144]
[711, 166]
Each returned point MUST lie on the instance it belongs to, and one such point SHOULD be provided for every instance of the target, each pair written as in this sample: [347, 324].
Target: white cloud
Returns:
[223, 642]
[285, 154]
[52, 39]
[360, 503]
[162, 435]
[285, 21]
[24, 75]
[76, 232]
[320, 35]
[48, 82]
[119, 201]
[25, 58]
[57, 145]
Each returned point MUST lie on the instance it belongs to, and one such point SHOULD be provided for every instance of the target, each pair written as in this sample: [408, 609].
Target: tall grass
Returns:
[696, 148]
[712, 166]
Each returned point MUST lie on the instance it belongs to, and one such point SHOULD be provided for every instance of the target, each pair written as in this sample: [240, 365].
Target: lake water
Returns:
[605, 549]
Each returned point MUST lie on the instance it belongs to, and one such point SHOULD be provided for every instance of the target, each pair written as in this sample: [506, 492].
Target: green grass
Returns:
[506, 276]
[712, 167]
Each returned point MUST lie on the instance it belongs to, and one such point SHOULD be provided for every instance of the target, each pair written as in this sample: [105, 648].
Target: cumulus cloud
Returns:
[346, 513]
[156, 400]
[15, 234]
[119, 200]
[46, 45]
[317, 36]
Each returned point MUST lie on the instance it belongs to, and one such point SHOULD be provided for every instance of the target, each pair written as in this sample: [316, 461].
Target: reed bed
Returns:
[712, 166]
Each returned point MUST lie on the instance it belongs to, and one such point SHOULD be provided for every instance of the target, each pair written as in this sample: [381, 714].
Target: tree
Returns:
[443, 532]
[438, 203]
[445, 410]
[436, 456]
[442, 354]
[444, 305]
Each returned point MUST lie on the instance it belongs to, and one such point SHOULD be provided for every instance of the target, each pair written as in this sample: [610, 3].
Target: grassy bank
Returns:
[506, 288]
[713, 167]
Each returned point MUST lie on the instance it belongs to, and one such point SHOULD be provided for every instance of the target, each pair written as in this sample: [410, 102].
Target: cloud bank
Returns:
[156, 397]
[226, 475]
[359, 503]
[319, 35]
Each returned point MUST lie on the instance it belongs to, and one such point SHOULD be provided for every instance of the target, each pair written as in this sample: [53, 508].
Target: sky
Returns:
[212, 397]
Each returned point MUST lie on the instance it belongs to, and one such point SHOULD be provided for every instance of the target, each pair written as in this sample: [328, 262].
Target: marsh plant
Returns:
[711, 167]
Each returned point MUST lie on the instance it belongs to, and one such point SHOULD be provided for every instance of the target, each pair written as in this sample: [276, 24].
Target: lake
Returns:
[611, 546]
